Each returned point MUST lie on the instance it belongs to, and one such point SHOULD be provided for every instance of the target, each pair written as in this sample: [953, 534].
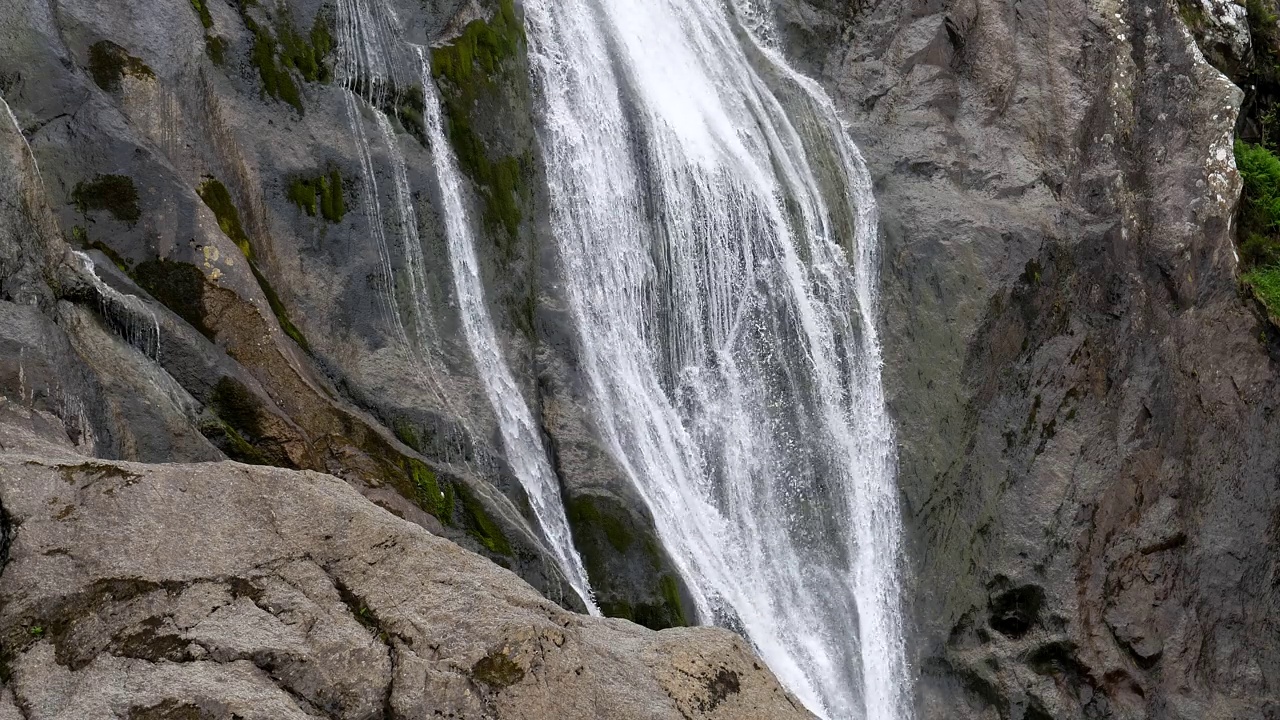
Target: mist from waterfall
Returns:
[718, 239]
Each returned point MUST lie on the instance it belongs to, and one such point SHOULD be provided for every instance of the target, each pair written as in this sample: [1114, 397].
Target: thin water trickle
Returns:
[519, 431]
[374, 60]
[136, 322]
[718, 235]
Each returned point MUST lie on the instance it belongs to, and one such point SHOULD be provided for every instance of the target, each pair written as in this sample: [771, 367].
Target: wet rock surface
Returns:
[204, 158]
[222, 590]
[1085, 402]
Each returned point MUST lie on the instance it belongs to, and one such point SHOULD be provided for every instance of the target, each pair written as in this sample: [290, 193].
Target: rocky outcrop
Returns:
[1085, 402]
[222, 590]
[253, 286]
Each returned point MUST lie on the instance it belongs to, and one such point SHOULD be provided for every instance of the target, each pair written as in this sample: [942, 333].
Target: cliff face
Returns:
[1085, 401]
[226, 591]
[263, 277]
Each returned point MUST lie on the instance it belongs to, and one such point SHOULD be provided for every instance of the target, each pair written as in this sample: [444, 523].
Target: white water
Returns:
[718, 231]
[372, 60]
[136, 322]
[519, 431]
[18, 128]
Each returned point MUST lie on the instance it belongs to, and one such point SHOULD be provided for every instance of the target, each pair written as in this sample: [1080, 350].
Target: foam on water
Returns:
[718, 233]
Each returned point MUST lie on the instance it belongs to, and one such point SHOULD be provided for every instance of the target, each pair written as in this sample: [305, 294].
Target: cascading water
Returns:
[717, 232]
[136, 322]
[372, 56]
[519, 432]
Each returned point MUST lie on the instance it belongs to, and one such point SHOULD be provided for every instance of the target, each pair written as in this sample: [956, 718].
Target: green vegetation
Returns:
[203, 11]
[215, 46]
[432, 496]
[279, 54]
[583, 513]
[1265, 283]
[109, 63]
[178, 286]
[111, 254]
[406, 434]
[604, 532]
[215, 195]
[114, 193]
[655, 616]
[497, 671]
[479, 525]
[1260, 223]
[323, 192]
[466, 70]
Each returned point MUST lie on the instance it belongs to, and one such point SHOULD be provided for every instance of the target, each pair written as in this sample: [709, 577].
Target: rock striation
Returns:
[222, 590]
[1085, 400]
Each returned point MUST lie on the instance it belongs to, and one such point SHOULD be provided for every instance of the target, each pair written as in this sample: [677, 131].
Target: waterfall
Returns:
[135, 322]
[26, 143]
[373, 64]
[717, 233]
[519, 431]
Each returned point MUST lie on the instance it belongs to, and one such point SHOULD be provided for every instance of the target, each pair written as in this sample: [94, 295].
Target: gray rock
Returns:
[1085, 403]
[224, 590]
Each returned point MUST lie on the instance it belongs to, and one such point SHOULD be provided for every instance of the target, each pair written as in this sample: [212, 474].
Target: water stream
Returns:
[718, 235]
[375, 60]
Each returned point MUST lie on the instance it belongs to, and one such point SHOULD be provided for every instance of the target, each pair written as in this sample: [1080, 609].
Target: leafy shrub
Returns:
[1260, 222]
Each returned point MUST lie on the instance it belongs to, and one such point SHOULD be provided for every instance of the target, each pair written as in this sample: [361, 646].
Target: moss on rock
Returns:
[624, 563]
[323, 193]
[202, 9]
[178, 286]
[479, 525]
[280, 53]
[466, 70]
[432, 495]
[109, 63]
[218, 199]
[497, 671]
[114, 193]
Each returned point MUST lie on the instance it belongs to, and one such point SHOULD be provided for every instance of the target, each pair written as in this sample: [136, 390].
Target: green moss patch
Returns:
[610, 541]
[479, 525]
[111, 254]
[466, 70]
[216, 48]
[114, 193]
[497, 671]
[322, 193]
[1260, 224]
[432, 495]
[202, 9]
[583, 513]
[656, 616]
[1265, 284]
[218, 199]
[280, 52]
[109, 63]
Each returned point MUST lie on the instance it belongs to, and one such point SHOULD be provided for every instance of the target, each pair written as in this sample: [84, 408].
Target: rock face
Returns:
[222, 590]
[263, 275]
[1085, 403]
